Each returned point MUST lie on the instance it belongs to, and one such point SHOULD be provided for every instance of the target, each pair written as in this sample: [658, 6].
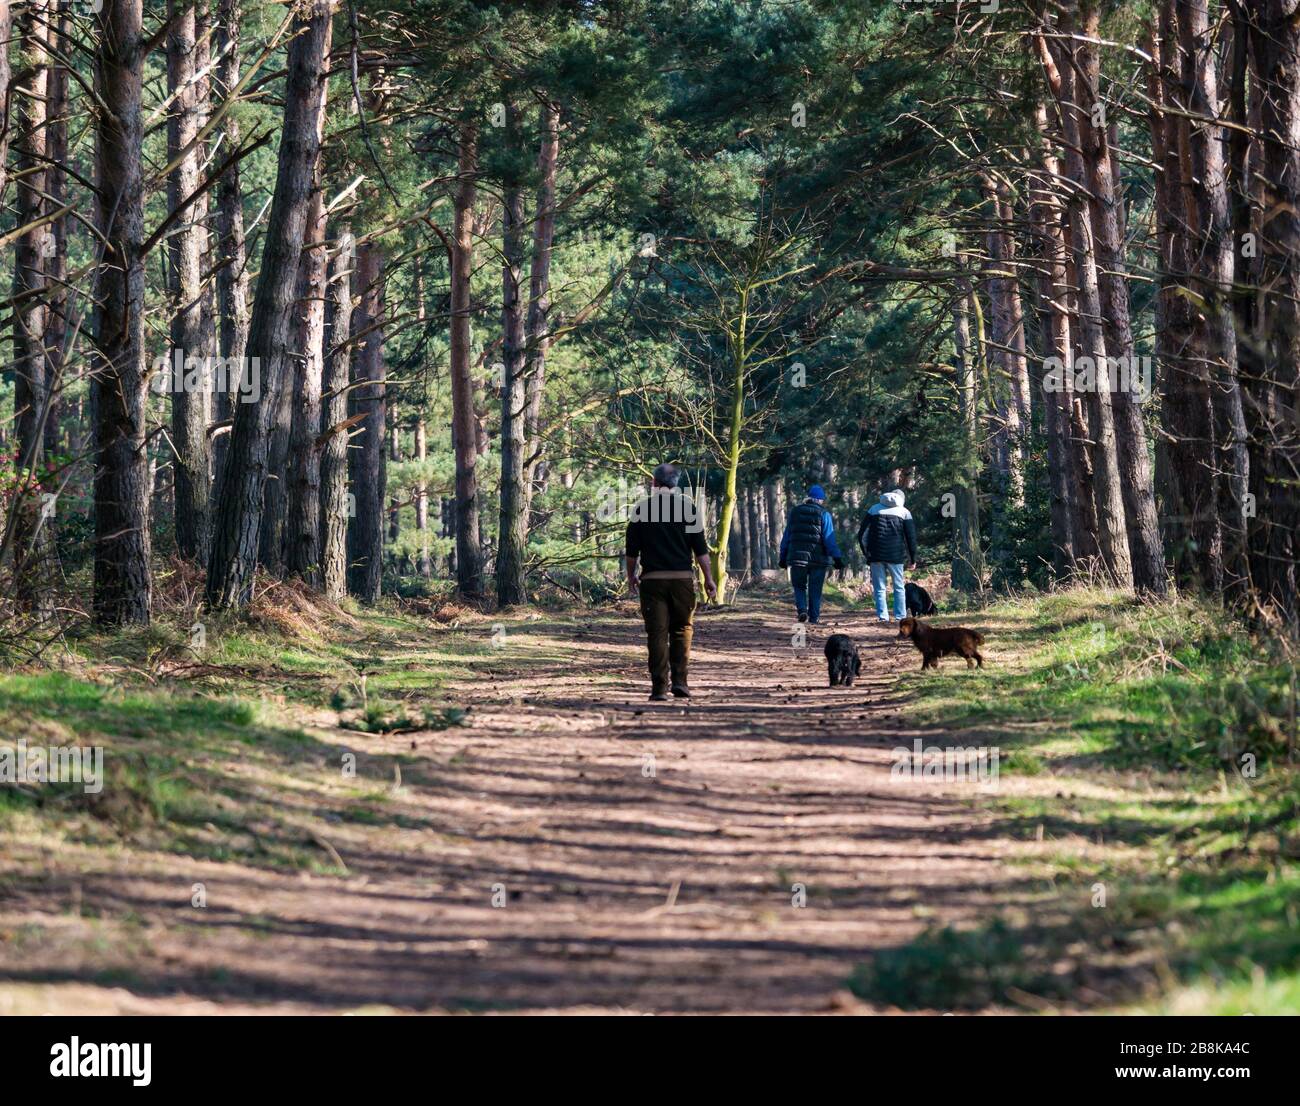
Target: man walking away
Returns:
[808, 548]
[664, 534]
[888, 540]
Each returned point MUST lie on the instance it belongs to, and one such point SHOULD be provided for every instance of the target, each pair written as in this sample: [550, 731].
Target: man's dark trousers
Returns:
[668, 607]
[807, 581]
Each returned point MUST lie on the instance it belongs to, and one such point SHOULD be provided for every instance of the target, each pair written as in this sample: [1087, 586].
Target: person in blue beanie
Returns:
[808, 549]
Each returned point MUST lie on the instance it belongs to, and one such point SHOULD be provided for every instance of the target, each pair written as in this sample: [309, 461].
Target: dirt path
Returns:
[645, 856]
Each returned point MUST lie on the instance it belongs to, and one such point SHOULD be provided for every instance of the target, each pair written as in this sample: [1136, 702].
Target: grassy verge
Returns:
[1152, 748]
[227, 740]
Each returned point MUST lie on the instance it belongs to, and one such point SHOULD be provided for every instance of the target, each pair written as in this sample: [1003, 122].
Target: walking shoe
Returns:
[681, 691]
[658, 696]
[801, 617]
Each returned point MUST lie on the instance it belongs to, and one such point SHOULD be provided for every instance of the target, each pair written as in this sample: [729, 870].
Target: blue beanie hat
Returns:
[816, 492]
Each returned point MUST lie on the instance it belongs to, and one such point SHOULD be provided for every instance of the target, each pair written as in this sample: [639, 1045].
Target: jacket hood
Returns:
[892, 499]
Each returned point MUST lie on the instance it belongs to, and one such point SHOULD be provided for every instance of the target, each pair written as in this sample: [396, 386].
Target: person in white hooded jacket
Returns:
[888, 540]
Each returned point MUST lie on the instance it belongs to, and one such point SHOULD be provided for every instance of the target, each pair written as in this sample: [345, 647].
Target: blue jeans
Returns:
[807, 581]
[878, 586]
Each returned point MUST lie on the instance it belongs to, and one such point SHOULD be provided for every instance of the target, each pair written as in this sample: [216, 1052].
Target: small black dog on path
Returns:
[918, 600]
[842, 660]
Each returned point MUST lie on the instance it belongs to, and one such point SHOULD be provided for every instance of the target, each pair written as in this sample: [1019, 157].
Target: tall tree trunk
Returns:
[303, 531]
[6, 79]
[1007, 351]
[425, 561]
[775, 514]
[239, 512]
[334, 403]
[188, 379]
[229, 255]
[740, 351]
[755, 531]
[367, 470]
[56, 316]
[1212, 278]
[1191, 512]
[968, 557]
[275, 496]
[1243, 152]
[512, 529]
[1111, 526]
[469, 552]
[539, 293]
[394, 457]
[737, 559]
[1083, 497]
[202, 214]
[449, 531]
[1047, 212]
[1126, 391]
[32, 375]
[1273, 398]
[123, 580]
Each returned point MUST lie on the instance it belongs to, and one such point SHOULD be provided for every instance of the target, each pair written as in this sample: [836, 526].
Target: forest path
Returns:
[646, 855]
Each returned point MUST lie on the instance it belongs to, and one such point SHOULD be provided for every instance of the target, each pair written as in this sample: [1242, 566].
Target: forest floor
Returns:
[524, 832]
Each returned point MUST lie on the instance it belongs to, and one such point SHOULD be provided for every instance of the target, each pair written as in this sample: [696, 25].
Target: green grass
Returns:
[1121, 684]
[201, 753]
[1162, 733]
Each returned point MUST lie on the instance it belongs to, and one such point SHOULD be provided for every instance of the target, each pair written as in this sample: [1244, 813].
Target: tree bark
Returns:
[303, 530]
[394, 457]
[33, 378]
[1273, 398]
[1191, 512]
[334, 403]
[239, 512]
[366, 462]
[1106, 210]
[1212, 278]
[512, 529]
[469, 553]
[1111, 526]
[230, 259]
[1007, 350]
[425, 561]
[1046, 214]
[775, 514]
[6, 78]
[123, 580]
[539, 294]
[188, 375]
[756, 532]
[968, 557]
[56, 315]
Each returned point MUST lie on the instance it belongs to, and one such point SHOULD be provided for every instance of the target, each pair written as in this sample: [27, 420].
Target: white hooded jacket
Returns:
[888, 532]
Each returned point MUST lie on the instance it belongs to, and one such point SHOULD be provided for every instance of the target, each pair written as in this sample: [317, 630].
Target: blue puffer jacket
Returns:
[809, 537]
[888, 534]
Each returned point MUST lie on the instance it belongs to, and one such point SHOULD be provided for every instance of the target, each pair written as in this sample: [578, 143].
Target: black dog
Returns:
[842, 660]
[918, 600]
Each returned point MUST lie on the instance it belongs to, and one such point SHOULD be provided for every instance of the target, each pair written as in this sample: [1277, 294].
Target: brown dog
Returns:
[935, 642]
